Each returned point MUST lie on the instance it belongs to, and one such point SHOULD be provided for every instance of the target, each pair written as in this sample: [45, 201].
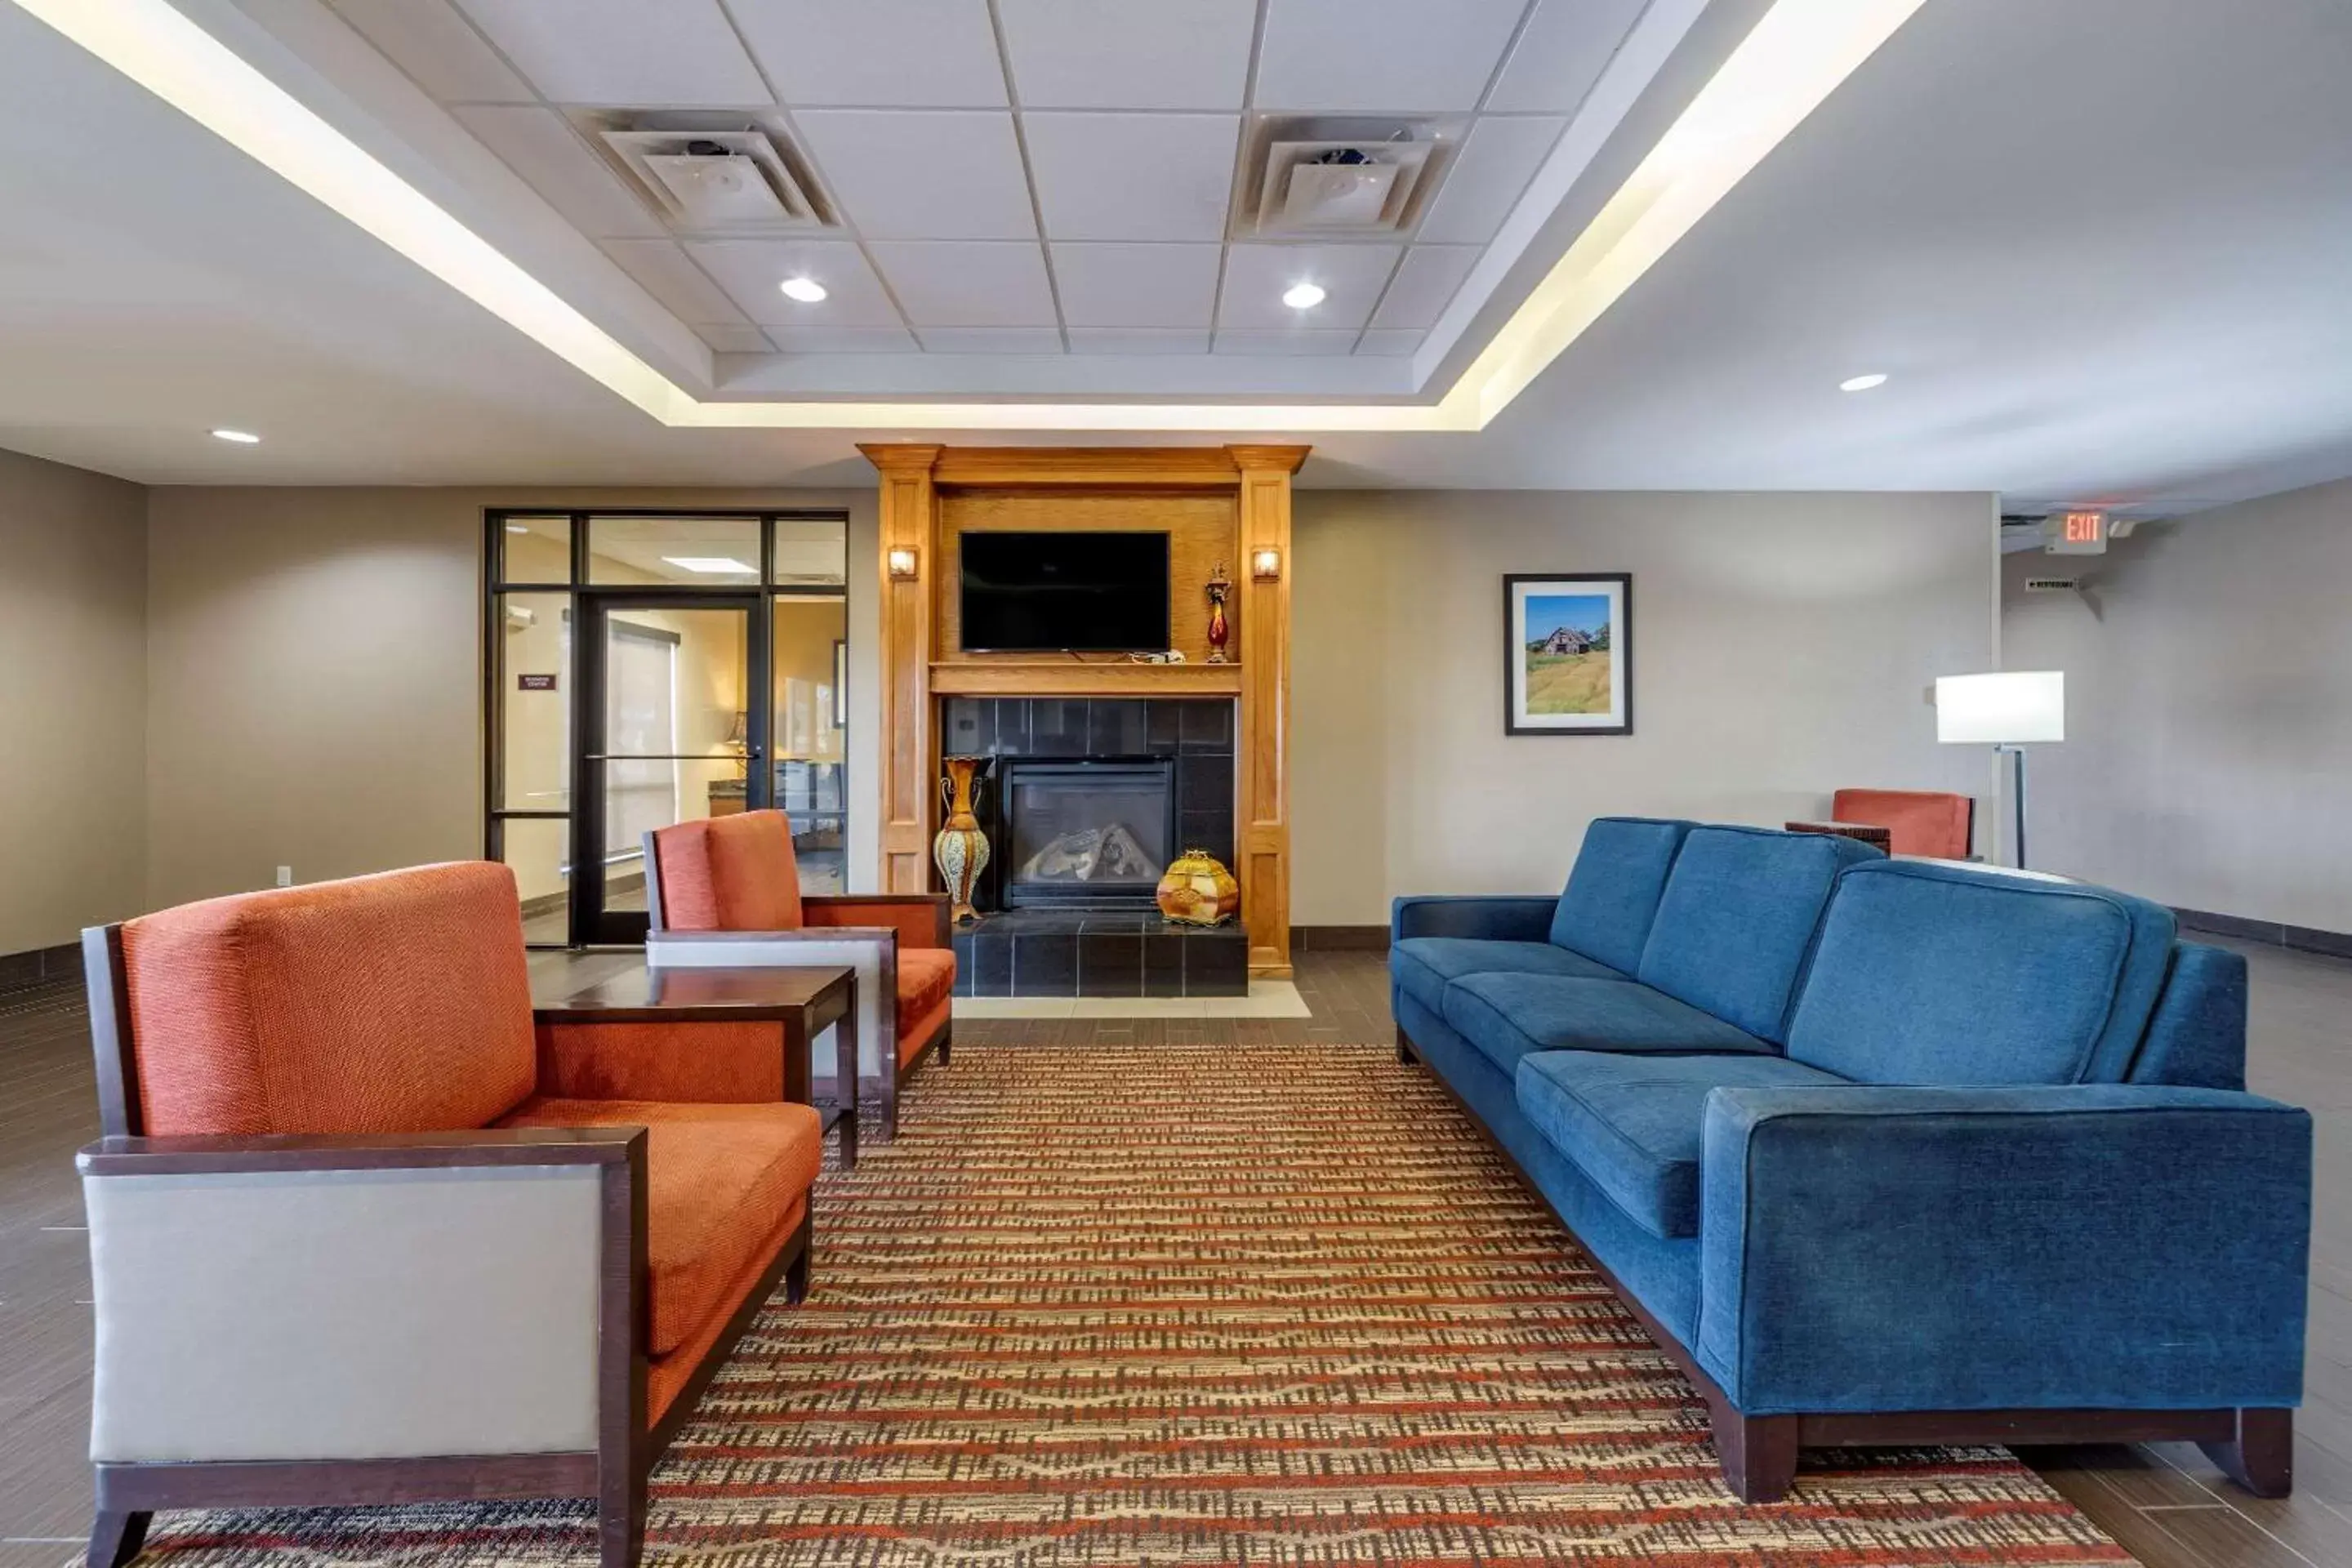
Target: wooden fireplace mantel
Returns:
[1219, 505]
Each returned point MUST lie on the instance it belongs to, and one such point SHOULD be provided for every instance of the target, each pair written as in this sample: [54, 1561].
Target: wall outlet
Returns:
[284, 876]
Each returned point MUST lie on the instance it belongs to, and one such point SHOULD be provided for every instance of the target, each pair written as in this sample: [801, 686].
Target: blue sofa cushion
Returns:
[1737, 918]
[1635, 1124]
[1424, 965]
[1612, 893]
[1928, 973]
[2197, 1039]
[1508, 1016]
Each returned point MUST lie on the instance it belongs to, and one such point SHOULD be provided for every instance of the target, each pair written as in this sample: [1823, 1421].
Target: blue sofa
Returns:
[1887, 1151]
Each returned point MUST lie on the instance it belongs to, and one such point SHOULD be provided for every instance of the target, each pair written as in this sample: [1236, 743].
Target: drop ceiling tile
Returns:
[1382, 56]
[1487, 178]
[541, 147]
[742, 339]
[1126, 340]
[951, 283]
[877, 54]
[909, 175]
[989, 339]
[440, 53]
[671, 277]
[1425, 282]
[673, 53]
[1256, 276]
[1300, 342]
[842, 339]
[1560, 54]
[1132, 176]
[1127, 285]
[1130, 54]
[749, 269]
[1387, 344]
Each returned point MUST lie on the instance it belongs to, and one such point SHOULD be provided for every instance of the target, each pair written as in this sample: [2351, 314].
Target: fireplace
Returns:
[1094, 832]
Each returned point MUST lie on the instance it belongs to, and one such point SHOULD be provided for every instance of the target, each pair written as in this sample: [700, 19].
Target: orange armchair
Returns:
[351, 1242]
[1919, 822]
[725, 892]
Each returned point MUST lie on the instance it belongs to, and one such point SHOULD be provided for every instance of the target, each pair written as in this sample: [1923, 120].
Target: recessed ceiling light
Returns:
[710, 563]
[1862, 382]
[242, 437]
[1303, 296]
[518, 528]
[807, 291]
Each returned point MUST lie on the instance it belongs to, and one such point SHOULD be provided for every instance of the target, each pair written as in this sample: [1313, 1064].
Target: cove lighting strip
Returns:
[1792, 60]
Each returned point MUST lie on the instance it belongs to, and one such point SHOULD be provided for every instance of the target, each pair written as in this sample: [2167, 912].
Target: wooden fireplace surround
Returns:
[1217, 504]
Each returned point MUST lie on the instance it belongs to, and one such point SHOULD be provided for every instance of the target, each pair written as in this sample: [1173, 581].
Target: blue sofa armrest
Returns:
[2093, 1247]
[1495, 919]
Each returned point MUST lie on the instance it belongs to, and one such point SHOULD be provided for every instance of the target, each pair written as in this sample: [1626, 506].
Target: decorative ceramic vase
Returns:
[1221, 587]
[1198, 891]
[960, 849]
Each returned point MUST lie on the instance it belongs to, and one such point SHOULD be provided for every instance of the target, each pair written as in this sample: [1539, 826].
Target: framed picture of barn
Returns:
[1568, 655]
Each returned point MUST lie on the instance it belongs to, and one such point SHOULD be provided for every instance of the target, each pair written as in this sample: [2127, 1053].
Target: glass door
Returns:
[668, 735]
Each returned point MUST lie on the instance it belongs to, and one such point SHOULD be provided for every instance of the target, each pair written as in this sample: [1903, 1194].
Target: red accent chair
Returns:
[359, 1232]
[726, 892]
[1927, 823]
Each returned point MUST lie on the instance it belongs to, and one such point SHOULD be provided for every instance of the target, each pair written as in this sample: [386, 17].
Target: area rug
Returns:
[1192, 1304]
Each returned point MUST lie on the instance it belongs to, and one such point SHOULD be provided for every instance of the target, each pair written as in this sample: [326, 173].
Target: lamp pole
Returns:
[2017, 797]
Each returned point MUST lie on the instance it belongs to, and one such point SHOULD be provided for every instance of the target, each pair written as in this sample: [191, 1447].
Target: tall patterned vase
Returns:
[961, 848]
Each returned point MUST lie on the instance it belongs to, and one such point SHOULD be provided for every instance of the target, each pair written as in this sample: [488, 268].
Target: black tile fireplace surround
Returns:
[1171, 763]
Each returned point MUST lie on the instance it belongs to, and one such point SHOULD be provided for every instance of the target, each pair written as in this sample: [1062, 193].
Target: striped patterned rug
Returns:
[1191, 1304]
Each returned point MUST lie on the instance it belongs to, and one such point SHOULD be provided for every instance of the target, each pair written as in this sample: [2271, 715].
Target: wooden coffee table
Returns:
[621, 988]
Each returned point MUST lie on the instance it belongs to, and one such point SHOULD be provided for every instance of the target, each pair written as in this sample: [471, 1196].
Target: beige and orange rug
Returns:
[1196, 1304]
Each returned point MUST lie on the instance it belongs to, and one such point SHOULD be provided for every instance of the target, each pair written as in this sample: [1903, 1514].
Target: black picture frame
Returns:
[1616, 590]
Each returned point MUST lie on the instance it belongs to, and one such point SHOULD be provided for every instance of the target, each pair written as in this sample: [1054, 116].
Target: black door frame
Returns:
[592, 923]
[579, 594]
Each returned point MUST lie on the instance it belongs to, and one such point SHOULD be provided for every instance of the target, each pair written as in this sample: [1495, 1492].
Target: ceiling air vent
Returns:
[713, 174]
[1327, 177]
[2053, 585]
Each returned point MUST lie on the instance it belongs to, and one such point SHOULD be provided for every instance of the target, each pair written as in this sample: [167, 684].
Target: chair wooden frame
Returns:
[614, 1473]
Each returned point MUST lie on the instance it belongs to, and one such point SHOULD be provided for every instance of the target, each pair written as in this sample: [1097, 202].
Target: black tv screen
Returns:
[1065, 593]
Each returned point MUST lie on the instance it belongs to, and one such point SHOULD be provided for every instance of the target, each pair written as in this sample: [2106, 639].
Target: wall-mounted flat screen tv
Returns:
[1065, 593]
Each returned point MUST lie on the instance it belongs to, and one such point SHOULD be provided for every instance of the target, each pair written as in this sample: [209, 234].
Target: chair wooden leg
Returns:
[890, 1099]
[796, 1278]
[1758, 1454]
[1404, 1048]
[621, 1517]
[2261, 1456]
[116, 1536]
[947, 1047]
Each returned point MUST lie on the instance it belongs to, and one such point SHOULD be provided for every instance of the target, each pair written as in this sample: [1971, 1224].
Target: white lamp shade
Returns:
[2010, 708]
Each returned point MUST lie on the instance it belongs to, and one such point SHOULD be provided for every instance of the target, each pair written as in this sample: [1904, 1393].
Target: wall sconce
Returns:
[1265, 565]
[902, 565]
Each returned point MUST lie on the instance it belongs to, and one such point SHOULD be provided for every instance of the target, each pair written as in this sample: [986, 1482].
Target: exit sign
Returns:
[2076, 533]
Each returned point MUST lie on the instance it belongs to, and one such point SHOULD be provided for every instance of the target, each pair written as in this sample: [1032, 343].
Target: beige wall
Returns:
[73, 595]
[1782, 645]
[315, 683]
[2209, 709]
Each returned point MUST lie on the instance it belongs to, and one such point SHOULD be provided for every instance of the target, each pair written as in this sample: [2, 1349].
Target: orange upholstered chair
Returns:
[356, 1236]
[725, 893]
[1919, 822]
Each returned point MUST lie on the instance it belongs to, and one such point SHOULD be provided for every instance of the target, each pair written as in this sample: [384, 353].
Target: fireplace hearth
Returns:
[1088, 801]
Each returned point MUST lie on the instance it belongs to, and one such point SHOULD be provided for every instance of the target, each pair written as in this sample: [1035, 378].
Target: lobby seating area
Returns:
[1888, 1150]
[1216, 784]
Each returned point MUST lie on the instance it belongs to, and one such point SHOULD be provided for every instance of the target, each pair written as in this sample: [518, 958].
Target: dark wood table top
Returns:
[621, 988]
[1867, 832]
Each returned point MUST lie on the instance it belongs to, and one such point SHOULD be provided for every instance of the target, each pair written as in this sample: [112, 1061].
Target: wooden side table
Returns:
[1867, 832]
[621, 988]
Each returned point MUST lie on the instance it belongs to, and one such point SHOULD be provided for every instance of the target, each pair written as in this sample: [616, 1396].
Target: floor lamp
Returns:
[2007, 711]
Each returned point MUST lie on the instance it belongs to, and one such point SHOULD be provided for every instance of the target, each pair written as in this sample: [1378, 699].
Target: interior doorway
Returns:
[650, 668]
